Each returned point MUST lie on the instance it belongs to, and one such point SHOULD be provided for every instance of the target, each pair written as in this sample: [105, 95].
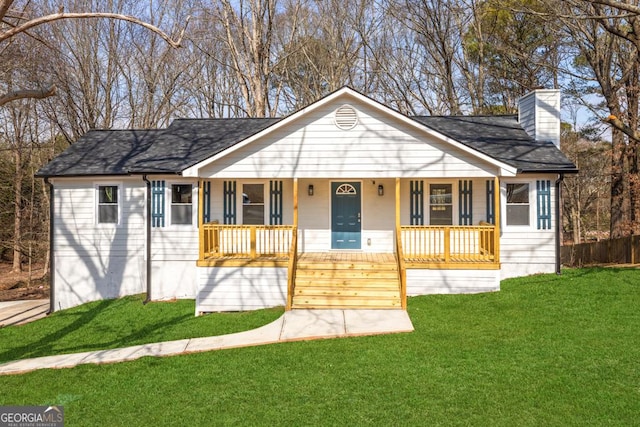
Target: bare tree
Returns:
[153, 74]
[23, 18]
[585, 196]
[325, 53]
[434, 24]
[607, 55]
[249, 36]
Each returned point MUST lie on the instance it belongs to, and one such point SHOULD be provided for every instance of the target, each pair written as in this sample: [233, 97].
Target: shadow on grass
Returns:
[45, 343]
[53, 340]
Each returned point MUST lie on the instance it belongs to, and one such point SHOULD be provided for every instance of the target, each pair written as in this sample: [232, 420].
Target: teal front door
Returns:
[345, 215]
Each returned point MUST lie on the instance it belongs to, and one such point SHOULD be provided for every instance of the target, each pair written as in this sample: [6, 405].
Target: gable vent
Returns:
[346, 117]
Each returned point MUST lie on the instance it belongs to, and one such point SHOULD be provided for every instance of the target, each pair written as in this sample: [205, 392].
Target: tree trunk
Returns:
[618, 206]
[17, 223]
[45, 210]
[575, 219]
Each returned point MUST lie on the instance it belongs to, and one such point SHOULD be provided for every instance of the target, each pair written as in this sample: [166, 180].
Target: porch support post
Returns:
[496, 210]
[201, 217]
[295, 202]
[398, 204]
[291, 279]
[400, 251]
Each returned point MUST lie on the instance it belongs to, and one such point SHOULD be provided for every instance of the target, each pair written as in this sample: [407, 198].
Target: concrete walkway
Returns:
[20, 312]
[294, 325]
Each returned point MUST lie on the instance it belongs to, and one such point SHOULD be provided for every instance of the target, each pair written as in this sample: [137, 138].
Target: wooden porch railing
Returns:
[292, 266]
[450, 244]
[402, 270]
[246, 241]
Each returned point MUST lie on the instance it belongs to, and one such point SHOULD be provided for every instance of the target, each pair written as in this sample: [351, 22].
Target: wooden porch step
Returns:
[345, 282]
[347, 303]
[375, 274]
[350, 266]
[347, 285]
[351, 291]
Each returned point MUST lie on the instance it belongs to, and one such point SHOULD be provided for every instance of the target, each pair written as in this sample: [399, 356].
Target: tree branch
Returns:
[27, 93]
[84, 15]
[627, 7]
[620, 125]
[4, 7]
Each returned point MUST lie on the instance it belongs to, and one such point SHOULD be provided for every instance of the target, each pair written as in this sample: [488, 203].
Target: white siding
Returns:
[174, 250]
[240, 288]
[427, 282]
[97, 261]
[174, 279]
[526, 253]
[379, 146]
[539, 115]
[527, 250]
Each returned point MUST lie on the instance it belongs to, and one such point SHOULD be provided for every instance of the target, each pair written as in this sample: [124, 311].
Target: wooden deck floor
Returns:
[340, 257]
[319, 257]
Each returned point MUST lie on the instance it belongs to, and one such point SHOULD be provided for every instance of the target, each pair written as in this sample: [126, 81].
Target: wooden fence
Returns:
[625, 250]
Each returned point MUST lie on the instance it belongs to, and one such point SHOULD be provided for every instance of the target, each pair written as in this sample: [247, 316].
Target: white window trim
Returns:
[96, 203]
[240, 200]
[168, 203]
[532, 205]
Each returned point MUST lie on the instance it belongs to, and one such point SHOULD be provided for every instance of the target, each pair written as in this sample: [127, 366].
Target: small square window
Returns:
[517, 204]
[107, 204]
[181, 204]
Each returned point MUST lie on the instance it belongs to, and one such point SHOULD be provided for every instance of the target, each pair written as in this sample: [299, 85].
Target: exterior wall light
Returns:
[380, 190]
[310, 190]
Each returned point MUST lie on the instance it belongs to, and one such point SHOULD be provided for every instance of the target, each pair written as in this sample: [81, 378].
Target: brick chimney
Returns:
[539, 115]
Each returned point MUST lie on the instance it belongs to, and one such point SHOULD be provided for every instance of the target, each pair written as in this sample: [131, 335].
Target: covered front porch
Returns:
[360, 276]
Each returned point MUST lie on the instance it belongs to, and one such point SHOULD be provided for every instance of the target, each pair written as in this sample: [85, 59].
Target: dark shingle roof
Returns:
[189, 141]
[121, 152]
[502, 138]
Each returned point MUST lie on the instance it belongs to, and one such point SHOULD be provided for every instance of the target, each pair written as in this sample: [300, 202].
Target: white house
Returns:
[346, 203]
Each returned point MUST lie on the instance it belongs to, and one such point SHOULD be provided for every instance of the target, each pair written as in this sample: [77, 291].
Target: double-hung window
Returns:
[253, 203]
[107, 204]
[440, 204]
[518, 204]
[181, 204]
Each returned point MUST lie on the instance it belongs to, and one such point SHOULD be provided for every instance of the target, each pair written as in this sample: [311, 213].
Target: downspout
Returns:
[148, 224]
[558, 223]
[52, 267]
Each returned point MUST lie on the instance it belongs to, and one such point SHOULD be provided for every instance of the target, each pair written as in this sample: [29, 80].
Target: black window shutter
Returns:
[229, 202]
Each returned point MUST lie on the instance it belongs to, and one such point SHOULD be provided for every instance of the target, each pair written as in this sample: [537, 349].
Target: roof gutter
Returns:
[148, 245]
[52, 267]
[558, 171]
[106, 175]
[558, 223]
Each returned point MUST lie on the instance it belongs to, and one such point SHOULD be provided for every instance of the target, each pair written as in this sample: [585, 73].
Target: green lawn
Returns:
[546, 350]
[121, 323]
